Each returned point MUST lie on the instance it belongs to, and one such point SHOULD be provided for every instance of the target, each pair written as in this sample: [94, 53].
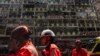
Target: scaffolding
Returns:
[67, 18]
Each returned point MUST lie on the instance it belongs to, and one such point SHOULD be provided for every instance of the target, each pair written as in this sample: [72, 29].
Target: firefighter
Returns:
[20, 43]
[79, 51]
[51, 49]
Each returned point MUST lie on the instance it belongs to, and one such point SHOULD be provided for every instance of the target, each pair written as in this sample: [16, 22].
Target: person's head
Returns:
[78, 43]
[47, 36]
[18, 36]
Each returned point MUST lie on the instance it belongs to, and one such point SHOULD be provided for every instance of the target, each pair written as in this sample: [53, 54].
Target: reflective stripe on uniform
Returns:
[53, 52]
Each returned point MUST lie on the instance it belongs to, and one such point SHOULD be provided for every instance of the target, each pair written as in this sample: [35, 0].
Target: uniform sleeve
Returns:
[58, 52]
[73, 53]
[55, 52]
[24, 52]
[86, 52]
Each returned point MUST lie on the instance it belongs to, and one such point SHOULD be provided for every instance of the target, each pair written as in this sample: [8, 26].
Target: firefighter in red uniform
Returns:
[51, 49]
[79, 51]
[20, 44]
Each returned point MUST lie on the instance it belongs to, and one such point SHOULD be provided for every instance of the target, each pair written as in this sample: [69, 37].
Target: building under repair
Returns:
[67, 18]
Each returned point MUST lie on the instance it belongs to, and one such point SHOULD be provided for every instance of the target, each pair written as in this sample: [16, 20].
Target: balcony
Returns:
[73, 16]
[70, 2]
[28, 9]
[57, 24]
[67, 24]
[68, 33]
[62, 25]
[52, 25]
[85, 4]
[29, 22]
[2, 31]
[41, 17]
[55, 17]
[82, 25]
[63, 9]
[67, 17]
[71, 25]
[91, 18]
[82, 29]
[4, 2]
[9, 29]
[12, 25]
[63, 34]
[28, 5]
[91, 29]
[97, 23]
[40, 9]
[90, 25]
[37, 25]
[98, 29]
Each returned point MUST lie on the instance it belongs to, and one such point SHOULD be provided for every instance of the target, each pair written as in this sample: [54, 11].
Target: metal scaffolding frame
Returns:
[68, 17]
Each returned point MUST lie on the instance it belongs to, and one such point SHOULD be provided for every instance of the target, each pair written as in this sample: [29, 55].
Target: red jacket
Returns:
[53, 51]
[27, 50]
[81, 52]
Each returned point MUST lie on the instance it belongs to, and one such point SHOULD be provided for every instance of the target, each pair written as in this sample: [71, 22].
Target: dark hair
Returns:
[20, 31]
[51, 41]
[23, 38]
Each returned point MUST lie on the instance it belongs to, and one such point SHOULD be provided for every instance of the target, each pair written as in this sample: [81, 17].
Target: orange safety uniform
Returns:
[28, 49]
[81, 52]
[53, 51]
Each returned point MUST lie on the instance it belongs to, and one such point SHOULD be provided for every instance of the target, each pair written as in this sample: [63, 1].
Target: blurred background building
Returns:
[96, 4]
[67, 18]
[64, 17]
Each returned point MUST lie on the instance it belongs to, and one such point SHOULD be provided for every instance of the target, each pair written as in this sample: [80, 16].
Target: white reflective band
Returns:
[53, 52]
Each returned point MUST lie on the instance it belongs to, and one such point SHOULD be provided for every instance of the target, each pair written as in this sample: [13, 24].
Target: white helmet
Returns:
[44, 32]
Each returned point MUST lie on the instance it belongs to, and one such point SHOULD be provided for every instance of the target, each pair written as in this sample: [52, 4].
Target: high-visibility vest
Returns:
[81, 52]
[53, 51]
[27, 50]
